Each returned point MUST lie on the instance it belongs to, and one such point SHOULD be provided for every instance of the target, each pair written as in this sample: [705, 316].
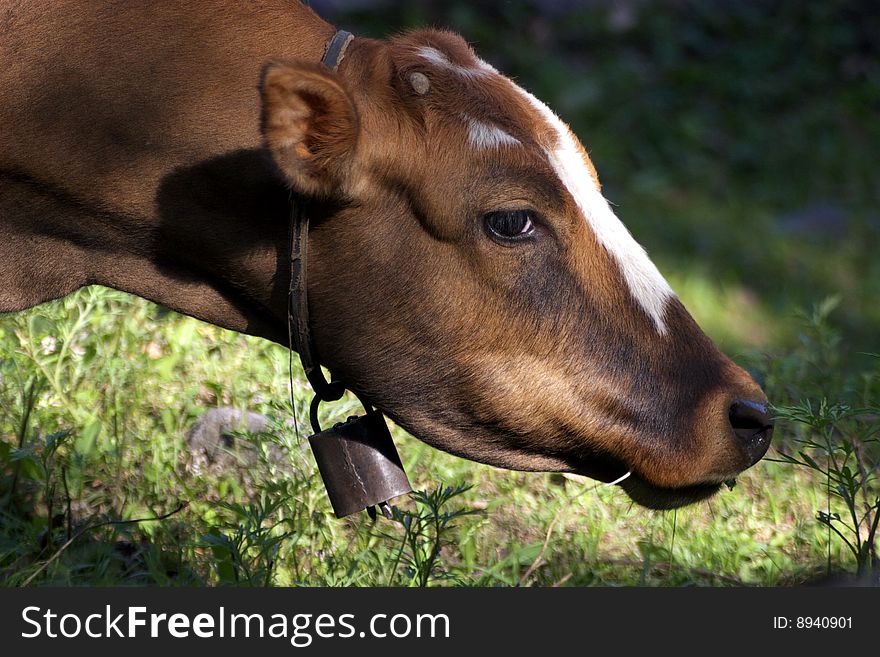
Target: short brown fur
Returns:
[136, 152]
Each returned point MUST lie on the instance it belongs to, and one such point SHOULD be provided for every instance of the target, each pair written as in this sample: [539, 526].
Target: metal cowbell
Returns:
[359, 464]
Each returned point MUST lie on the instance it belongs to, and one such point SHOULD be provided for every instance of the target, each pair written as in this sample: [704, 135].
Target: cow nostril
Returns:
[745, 415]
[752, 425]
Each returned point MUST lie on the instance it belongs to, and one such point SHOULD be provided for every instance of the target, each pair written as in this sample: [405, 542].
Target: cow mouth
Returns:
[613, 471]
[660, 498]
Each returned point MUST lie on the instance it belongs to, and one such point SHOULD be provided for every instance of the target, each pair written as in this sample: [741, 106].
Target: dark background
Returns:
[738, 139]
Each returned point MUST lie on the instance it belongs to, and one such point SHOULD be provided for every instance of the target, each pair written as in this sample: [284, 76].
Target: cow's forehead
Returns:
[499, 114]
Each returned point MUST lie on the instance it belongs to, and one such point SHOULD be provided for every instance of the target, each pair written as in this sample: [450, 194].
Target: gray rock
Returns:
[221, 444]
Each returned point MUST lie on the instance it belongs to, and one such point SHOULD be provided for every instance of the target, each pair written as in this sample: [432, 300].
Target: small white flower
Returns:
[48, 345]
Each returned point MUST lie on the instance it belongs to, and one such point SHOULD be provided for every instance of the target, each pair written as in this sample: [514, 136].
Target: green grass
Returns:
[708, 123]
[111, 396]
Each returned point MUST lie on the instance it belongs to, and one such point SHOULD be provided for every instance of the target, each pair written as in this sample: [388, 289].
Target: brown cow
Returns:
[466, 274]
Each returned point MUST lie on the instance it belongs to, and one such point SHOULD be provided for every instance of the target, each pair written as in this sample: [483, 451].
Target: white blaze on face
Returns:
[480, 134]
[487, 136]
[440, 60]
[645, 282]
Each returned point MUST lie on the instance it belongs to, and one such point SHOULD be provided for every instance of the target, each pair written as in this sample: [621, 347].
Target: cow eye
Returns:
[510, 224]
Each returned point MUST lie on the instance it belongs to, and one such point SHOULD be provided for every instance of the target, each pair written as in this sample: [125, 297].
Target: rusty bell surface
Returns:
[359, 464]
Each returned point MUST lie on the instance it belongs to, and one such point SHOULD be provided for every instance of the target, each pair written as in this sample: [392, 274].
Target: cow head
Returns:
[468, 277]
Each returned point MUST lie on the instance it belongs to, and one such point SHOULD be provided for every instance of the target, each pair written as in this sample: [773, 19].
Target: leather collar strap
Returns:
[336, 49]
[299, 332]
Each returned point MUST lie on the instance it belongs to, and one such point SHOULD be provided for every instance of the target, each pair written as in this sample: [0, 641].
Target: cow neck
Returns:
[357, 459]
[299, 330]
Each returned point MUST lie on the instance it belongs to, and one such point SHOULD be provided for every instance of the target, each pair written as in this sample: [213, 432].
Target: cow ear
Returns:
[309, 124]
